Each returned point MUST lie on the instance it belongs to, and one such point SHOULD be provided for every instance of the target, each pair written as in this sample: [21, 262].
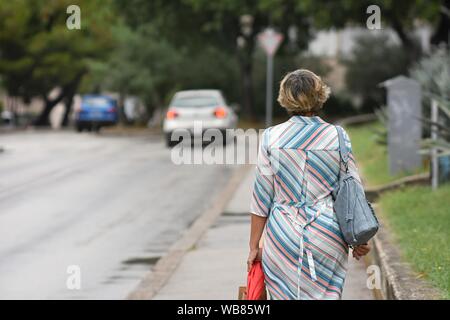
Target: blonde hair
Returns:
[302, 91]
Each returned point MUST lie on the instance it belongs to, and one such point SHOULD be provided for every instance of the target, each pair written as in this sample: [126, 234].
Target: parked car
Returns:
[96, 111]
[206, 106]
[7, 117]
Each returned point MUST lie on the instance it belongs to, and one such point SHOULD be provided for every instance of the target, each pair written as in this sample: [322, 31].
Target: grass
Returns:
[418, 217]
[420, 220]
[372, 157]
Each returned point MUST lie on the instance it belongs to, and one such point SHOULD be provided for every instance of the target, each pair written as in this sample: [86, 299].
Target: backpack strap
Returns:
[343, 150]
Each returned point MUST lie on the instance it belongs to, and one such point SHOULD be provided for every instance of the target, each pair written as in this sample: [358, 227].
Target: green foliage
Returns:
[39, 53]
[339, 104]
[140, 64]
[373, 60]
[382, 132]
[401, 16]
[210, 68]
[433, 73]
[201, 24]
[153, 48]
[371, 156]
[150, 67]
[420, 220]
[214, 22]
[329, 14]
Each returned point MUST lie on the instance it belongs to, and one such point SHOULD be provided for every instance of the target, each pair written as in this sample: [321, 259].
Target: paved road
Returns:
[110, 205]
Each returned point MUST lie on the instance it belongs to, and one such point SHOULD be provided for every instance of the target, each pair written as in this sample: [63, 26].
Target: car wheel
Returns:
[79, 128]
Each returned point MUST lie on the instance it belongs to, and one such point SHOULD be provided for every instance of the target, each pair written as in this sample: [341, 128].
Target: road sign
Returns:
[270, 41]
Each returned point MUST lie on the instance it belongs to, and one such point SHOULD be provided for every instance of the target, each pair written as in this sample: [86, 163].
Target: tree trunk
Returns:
[68, 101]
[247, 89]
[66, 94]
[246, 65]
[43, 120]
[442, 33]
[121, 108]
[412, 49]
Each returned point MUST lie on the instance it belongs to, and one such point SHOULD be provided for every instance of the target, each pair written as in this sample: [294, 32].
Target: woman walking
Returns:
[304, 255]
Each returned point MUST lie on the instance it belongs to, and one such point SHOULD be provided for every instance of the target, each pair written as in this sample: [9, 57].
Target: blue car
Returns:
[96, 111]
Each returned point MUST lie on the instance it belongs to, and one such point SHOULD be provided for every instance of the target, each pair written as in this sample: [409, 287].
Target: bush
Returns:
[211, 68]
[373, 60]
[339, 104]
[433, 73]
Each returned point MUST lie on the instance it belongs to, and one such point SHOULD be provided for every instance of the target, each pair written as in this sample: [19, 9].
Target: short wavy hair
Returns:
[302, 91]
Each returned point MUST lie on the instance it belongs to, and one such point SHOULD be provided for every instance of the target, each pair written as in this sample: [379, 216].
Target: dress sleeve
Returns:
[263, 190]
[353, 168]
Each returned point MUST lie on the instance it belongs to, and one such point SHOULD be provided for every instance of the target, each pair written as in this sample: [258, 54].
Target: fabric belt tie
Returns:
[300, 228]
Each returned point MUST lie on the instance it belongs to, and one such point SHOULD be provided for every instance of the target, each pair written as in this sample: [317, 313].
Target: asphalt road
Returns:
[108, 205]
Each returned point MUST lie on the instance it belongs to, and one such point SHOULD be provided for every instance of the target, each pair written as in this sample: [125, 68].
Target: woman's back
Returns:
[304, 254]
[297, 172]
[308, 155]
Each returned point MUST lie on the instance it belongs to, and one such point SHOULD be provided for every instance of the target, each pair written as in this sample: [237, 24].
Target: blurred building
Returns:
[333, 45]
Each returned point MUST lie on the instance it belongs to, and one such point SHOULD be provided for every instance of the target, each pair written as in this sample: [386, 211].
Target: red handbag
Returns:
[256, 288]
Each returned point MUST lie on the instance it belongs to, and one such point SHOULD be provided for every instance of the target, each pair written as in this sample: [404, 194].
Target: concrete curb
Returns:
[166, 266]
[372, 193]
[398, 280]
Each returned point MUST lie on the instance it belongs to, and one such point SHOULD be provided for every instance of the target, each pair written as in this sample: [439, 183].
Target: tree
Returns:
[433, 74]
[199, 23]
[442, 32]
[373, 60]
[142, 64]
[39, 53]
[400, 15]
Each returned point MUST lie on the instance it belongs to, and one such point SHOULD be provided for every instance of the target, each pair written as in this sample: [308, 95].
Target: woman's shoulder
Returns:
[345, 136]
[288, 134]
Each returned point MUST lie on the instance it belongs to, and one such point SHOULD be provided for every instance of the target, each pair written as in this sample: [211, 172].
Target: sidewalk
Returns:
[216, 267]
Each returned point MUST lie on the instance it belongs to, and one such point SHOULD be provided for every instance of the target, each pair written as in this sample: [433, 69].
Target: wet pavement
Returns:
[108, 205]
[216, 267]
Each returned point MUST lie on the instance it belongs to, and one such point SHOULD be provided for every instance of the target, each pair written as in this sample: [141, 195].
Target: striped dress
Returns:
[304, 255]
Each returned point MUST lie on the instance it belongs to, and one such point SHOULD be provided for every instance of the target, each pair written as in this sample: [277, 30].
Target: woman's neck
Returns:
[306, 114]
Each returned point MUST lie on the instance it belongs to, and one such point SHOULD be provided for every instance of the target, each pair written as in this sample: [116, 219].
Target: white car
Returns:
[205, 107]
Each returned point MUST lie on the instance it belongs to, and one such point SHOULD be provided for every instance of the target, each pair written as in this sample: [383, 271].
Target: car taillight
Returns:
[111, 110]
[171, 114]
[220, 112]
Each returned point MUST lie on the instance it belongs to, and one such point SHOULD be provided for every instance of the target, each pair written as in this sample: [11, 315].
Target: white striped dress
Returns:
[304, 254]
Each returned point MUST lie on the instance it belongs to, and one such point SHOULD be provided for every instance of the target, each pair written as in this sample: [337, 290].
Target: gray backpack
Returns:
[354, 213]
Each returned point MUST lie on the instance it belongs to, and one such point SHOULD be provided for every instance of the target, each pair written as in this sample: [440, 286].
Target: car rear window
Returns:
[96, 102]
[194, 102]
